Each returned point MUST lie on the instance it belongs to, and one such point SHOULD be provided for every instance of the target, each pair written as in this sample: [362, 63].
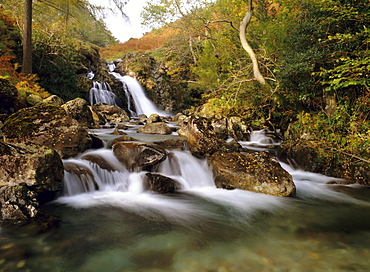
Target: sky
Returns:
[121, 29]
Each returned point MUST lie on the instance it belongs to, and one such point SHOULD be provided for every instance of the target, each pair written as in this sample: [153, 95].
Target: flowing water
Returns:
[116, 226]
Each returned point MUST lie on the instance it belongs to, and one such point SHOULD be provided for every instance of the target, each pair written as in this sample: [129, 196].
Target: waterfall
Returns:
[143, 104]
[90, 177]
[102, 93]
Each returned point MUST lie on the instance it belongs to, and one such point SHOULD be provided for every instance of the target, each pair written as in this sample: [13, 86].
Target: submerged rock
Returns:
[160, 184]
[47, 125]
[257, 172]
[155, 128]
[137, 156]
[29, 175]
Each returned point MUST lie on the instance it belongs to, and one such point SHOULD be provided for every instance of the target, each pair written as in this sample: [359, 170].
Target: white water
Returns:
[102, 93]
[259, 138]
[143, 104]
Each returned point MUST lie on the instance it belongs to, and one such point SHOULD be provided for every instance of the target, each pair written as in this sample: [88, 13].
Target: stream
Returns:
[202, 228]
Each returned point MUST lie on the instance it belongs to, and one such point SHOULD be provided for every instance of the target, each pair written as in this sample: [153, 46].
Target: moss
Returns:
[29, 120]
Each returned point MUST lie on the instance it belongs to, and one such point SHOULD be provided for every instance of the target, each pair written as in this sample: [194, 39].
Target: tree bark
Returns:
[27, 38]
[243, 27]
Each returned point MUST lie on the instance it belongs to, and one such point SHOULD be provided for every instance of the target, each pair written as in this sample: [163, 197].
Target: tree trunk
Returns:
[27, 38]
[243, 27]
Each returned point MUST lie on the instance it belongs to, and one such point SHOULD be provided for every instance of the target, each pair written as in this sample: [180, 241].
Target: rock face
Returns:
[111, 113]
[79, 109]
[29, 175]
[160, 184]
[138, 156]
[47, 125]
[203, 139]
[255, 172]
[155, 128]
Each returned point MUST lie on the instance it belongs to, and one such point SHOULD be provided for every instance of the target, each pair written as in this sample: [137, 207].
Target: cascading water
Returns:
[102, 93]
[143, 104]
[110, 223]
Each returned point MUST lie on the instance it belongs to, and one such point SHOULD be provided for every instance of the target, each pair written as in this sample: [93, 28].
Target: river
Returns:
[202, 228]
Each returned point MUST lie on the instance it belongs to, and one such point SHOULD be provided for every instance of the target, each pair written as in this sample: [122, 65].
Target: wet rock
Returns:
[257, 172]
[84, 175]
[30, 175]
[123, 138]
[103, 163]
[111, 113]
[153, 118]
[47, 125]
[202, 138]
[96, 142]
[78, 109]
[155, 128]
[18, 204]
[116, 131]
[177, 144]
[160, 184]
[139, 156]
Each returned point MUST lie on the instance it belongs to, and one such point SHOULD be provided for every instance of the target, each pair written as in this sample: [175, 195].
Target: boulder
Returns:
[78, 109]
[154, 118]
[137, 156]
[53, 100]
[202, 138]
[111, 113]
[33, 99]
[257, 172]
[155, 128]
[30, 175]
[47, 125]
[160, 184]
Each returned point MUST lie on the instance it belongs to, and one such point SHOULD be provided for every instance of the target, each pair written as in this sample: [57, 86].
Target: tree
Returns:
[27, 38]
[243, 26]
[27, 29]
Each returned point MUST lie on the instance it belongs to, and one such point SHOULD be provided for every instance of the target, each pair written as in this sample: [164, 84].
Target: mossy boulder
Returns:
[30, 175]
[257, 172]
[49, 126]
[79, 109]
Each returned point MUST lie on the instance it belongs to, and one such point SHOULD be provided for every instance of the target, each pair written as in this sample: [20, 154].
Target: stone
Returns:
[53, 100]
[160, 184]
[33, 99]
[78, 109]
[137, 156]
[202, 138]
[111, 113]
[171, 144]
[154, 118]
[155, 128]
[30, 175]
[49, 126]
[257, 172]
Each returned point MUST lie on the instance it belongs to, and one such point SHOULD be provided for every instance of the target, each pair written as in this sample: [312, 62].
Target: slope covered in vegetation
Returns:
[314, 56]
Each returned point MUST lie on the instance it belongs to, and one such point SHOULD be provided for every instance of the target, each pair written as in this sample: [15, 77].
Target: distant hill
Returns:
[149, 42]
